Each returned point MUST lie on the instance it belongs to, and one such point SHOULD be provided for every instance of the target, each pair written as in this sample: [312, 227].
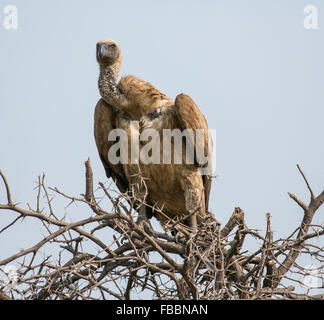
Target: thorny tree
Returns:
[73, 262]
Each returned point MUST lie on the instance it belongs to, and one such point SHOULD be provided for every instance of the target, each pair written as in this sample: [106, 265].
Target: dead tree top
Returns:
[74, 261]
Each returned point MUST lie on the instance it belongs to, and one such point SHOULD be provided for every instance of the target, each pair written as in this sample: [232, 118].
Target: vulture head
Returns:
[108, 53]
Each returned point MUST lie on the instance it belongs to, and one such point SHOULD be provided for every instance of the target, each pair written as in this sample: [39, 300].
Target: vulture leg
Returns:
[140, 192]
[142, 216]
[194, 200]
[192, 206]
[143, 219]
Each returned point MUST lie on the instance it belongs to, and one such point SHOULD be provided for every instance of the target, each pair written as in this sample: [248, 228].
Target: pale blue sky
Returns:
[251, 67]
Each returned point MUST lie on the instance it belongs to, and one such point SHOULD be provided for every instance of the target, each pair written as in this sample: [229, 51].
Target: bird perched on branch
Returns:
[170, 189]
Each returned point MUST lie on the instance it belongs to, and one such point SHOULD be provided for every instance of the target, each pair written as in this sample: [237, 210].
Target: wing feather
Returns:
[104, 122]
[190, 117]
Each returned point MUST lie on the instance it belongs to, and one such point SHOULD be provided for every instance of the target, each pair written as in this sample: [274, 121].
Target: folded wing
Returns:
[104, 122]
[190, 117]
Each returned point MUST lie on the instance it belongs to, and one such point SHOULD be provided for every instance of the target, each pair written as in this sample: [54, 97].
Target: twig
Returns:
[7, 188]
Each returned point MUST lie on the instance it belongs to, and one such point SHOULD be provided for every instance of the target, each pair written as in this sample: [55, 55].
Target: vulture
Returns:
[170, 190]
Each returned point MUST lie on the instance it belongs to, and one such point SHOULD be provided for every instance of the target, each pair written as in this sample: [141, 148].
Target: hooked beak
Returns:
[101, 51]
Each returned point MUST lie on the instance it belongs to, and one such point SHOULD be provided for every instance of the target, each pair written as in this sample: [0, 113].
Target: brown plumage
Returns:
[104, 122]
[176, 189]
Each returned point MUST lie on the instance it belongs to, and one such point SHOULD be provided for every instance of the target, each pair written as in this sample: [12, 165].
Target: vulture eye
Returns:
[112, 46]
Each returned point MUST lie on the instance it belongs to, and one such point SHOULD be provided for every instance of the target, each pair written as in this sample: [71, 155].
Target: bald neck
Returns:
[113, 70]
[107, 84]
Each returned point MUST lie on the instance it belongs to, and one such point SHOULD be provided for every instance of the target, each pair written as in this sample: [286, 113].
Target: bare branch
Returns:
[213, 263]
[308, 186]
[9, 201]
